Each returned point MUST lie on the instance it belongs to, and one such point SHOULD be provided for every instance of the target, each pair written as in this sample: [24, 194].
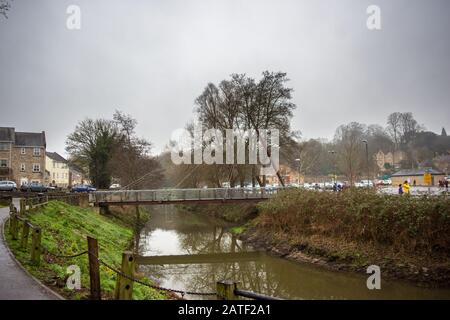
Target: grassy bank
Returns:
[64, 230]
[409, 237]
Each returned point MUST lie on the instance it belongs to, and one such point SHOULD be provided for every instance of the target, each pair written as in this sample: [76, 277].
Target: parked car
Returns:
[8, 186]
[33, 187]
[83, 188]
[115, 186]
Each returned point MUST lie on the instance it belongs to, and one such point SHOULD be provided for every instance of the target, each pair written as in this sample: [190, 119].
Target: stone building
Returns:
[390, 158]
[76, 175]
[58, 170]
[22, 156]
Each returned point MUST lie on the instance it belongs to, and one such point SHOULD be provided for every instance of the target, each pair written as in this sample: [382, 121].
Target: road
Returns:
[15, 283]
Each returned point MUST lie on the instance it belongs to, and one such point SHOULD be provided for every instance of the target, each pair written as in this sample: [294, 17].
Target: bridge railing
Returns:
[162, 195]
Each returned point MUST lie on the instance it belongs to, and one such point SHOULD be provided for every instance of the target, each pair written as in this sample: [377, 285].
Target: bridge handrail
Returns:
[185, 189]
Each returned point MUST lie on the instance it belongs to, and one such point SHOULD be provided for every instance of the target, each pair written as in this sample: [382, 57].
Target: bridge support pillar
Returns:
[104, 209]
[84, 200]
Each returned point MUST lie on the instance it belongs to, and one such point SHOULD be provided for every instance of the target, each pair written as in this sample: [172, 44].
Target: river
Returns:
[171, 232]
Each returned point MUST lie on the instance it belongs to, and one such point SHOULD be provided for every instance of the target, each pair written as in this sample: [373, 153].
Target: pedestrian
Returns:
[446, 185]
[400, 189]
[414, 183]
[406, 187]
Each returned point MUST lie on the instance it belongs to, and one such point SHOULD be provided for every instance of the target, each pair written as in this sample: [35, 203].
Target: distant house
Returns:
[390, 158]
[58, 169]
[288, 175]
[76, 175]
[416, 174]
[22, 156]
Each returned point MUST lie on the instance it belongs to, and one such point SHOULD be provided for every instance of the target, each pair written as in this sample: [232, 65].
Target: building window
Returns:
[4, 146]
[22, 167]
[37, 151]
[53, 176]
[23, 150]
[3, 163]
[36, 167]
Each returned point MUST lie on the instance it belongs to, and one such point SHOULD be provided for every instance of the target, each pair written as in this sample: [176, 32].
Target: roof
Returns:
[56, 156]
[7, 134]
[30, 139]
[416, 172]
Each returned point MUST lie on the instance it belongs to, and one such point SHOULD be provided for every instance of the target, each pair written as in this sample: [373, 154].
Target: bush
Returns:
[408, 223]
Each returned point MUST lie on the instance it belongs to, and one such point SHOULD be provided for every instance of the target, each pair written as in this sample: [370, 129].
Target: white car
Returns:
[115, 186]
[8, 186]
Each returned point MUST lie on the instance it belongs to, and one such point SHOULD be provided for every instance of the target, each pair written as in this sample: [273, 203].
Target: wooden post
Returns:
[225, 290]
[124, 289]
[25, 233]
[94, 268]
[36, 246]
[13, 226]
[22, 206]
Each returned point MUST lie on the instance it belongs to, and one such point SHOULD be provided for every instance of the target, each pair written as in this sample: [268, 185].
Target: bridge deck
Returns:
[121, 197]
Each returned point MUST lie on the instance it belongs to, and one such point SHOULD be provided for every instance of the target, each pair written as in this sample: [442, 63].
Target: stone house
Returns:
[391, 158]
[22, 156]
[58, 170]
[76, 175]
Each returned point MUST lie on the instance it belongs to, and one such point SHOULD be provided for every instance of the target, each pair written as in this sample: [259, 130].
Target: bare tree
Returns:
[394, 128]
[131, 161]
[348, 139]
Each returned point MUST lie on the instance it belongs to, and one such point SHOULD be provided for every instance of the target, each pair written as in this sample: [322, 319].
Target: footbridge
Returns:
[179, 196]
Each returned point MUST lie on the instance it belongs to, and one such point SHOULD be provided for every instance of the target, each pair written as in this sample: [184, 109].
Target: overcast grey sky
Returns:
[153, 58]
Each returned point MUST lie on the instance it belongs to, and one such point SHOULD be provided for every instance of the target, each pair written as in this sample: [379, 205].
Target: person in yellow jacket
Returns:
[406, 187]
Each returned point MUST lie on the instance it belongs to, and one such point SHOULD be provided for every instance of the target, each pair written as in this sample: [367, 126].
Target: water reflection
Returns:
[171, 232]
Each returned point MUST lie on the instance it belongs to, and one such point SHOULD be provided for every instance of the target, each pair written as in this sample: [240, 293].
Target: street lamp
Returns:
[334, 164]
[367, 160]
[298, 180]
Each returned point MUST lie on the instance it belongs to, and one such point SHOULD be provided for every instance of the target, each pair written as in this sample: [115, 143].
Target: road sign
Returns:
[427, 178]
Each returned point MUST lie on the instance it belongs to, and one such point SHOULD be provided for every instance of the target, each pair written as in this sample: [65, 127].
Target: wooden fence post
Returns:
[225, 290]
[22, 206]
[124, 286]
[36, 246]
[25, 233]
[13, 226]
[94, 268]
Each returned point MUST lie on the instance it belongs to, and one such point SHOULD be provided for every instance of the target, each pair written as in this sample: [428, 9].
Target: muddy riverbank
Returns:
[346, 257]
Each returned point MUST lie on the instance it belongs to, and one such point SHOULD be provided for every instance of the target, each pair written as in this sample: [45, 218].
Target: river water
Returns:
[172, 232]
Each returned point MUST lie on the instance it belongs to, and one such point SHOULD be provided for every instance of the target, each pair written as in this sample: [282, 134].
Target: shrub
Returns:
[406, 222]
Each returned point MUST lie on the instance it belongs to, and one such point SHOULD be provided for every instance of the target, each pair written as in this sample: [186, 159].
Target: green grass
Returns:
[238, 230]
[64, 230]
